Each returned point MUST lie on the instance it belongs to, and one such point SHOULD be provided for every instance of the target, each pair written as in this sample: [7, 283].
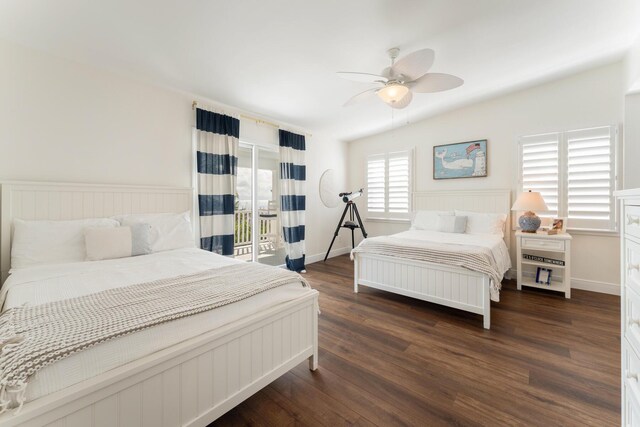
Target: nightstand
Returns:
[552, 252]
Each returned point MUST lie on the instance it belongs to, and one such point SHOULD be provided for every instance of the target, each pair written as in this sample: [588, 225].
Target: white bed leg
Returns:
[355, 274]
[313, 359]
[313, 362]
[487, 304]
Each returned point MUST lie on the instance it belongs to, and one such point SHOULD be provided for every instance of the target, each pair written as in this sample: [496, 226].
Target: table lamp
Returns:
[529, 201]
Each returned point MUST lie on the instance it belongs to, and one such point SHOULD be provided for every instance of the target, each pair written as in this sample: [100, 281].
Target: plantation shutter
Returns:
[398, 182]
[540, 169]
[591, 178]
[389, 184]
[376, 183]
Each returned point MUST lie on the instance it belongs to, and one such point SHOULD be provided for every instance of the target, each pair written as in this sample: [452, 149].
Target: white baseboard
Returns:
[592, 285]
[320, 257]
[583, 284]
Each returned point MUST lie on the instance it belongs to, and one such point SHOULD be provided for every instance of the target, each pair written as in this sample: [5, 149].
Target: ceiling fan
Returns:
[407, 75]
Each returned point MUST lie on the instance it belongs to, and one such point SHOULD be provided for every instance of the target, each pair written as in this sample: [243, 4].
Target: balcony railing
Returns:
[269, 226]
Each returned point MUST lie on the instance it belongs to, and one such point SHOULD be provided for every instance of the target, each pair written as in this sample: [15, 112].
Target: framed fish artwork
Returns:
[460, 160]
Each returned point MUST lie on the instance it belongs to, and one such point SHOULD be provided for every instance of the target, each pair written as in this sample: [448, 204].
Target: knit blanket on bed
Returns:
[32, 337]
[475, 258]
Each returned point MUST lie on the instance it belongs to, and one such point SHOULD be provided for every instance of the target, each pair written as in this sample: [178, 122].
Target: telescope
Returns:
[351, 208]
[347, 197]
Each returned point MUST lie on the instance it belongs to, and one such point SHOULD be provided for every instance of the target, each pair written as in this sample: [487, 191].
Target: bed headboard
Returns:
[489, 201]
[56, 201]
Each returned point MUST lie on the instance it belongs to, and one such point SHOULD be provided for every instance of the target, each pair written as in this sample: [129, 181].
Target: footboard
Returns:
[189, 384]
[446, 285]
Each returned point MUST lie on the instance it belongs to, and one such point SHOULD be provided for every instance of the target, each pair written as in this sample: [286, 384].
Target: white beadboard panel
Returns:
[441, 284]
[205, 382]
[171, 397]
[151, 401]
[485, 201]
[105, 412]
[53, 201]
[130, 406]
[188, 387]
[83, 417]
[189, 390]
[256, 349]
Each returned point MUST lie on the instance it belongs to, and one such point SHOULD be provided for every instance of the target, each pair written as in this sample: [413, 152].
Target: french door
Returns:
[258, 230]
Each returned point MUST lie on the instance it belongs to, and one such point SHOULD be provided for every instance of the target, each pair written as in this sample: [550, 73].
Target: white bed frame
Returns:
[189, 384]
[441, 284]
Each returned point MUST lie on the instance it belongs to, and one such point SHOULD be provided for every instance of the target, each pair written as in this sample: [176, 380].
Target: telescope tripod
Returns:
[352, 208]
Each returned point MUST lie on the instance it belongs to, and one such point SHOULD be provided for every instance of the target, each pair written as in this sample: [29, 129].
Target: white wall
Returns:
[68, 122]
[632, 117]
[587, 99]
[632, 67]
[632, 140]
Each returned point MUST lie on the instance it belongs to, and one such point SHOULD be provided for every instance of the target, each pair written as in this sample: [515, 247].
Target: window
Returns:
[575, 172]
[539, 168]
[389, 184]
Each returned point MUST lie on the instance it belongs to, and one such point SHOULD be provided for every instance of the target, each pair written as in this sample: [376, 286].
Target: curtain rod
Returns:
[255, 119]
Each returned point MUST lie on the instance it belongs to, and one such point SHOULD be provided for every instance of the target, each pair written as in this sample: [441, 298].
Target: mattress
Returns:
[42, 284]
[492, 242]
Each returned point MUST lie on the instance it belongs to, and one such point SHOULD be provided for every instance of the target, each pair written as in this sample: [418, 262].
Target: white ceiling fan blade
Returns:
[415, 64]
[362, 96]
[361, 77]
[435, 82]
[404, 102]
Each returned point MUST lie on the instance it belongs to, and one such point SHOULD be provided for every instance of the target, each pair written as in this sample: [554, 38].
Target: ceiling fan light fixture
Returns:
[393, 93]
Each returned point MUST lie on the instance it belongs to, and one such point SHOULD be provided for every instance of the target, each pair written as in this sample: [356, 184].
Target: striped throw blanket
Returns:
[32, 337]
[475, 258]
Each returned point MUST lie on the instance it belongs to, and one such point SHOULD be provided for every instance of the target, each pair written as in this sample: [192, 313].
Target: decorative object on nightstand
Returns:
[543, 276]
[529, 201]
[558, 225]
[536, 253]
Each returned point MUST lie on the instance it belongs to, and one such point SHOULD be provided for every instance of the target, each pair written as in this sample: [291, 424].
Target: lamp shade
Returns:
[393, 93]
[530, 201]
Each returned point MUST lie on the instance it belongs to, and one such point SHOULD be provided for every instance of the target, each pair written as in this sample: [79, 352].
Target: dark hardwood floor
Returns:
[388, 360]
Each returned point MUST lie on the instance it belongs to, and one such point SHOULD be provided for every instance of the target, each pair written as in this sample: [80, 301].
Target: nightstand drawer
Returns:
[542, 244]
[632, 220]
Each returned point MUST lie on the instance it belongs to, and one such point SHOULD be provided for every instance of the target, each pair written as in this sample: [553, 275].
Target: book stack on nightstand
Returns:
[544, 261]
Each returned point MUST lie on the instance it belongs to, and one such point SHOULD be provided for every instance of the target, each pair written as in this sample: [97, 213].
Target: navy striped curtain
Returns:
[217, 137]
[292, 197]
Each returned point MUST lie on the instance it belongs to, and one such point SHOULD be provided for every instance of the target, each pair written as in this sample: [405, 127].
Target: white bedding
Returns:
[38, 285]
[494, 243]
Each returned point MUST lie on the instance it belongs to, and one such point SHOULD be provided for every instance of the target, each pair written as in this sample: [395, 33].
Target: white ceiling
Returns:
[279, 58]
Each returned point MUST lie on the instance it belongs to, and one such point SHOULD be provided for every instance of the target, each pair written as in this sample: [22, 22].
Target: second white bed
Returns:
[447, 283]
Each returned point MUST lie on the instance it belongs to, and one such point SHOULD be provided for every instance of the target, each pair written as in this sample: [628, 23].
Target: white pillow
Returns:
[427, 220]
[452, 224]
[51, 242]
[484, 223]
[168, 230]
[118, 242]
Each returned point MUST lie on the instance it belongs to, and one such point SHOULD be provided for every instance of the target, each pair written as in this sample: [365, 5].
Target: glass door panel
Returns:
[270, 244]
[243, 212]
